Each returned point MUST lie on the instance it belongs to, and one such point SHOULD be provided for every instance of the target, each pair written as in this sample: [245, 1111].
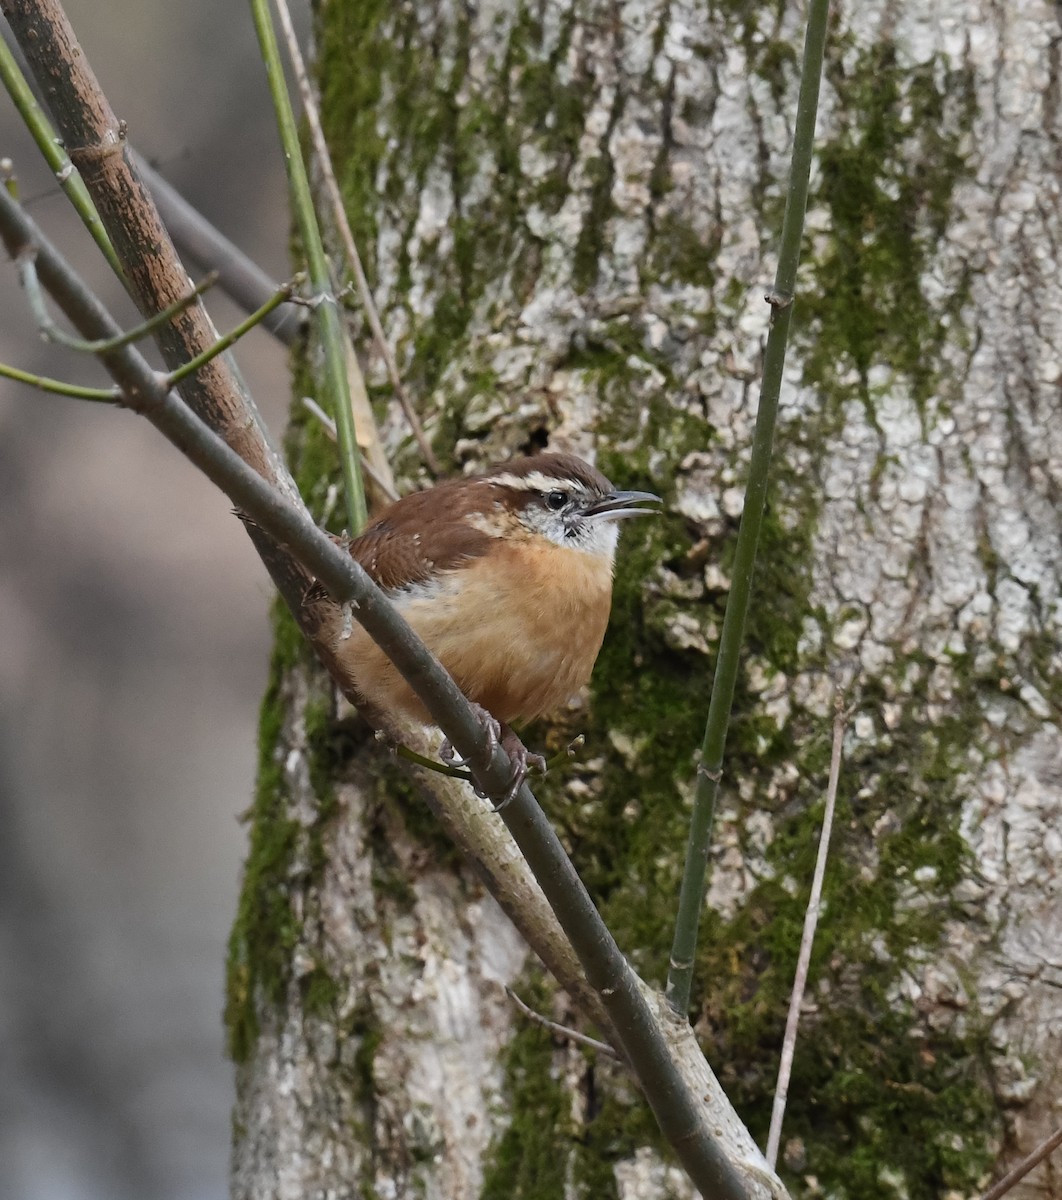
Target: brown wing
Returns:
[424, 533]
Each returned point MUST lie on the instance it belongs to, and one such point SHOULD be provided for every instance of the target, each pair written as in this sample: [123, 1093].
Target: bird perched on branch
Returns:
[507, 579]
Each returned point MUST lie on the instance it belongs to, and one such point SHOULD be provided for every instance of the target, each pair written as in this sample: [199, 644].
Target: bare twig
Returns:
[571, 1035]
[429, 764]
[28, 275]
[1018, 1173]
[58, 387]
[339, 215]
[811, 918]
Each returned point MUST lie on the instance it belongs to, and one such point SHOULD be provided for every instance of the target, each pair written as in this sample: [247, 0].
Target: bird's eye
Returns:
[556, 500]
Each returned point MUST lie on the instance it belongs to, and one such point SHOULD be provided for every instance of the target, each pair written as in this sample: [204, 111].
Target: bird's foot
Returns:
[523, 762]
[491, 727]
[497, 734]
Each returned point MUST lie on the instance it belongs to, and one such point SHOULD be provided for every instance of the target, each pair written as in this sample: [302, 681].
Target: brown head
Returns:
[561, 498]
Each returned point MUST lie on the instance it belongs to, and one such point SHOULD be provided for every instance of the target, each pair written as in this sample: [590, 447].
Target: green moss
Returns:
[528, 1161]
[311, 454]
[265, 930]
[283, 855]
[350, 40]
[320, 993]
[679, 253]
[887, 179]
[544, 1154]
[442, 118]
[591, 244]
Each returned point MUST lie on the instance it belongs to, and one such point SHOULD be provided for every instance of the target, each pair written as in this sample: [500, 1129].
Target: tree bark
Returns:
[570, 217]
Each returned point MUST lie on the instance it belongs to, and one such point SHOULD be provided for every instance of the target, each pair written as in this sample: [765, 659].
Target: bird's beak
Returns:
[617, 505]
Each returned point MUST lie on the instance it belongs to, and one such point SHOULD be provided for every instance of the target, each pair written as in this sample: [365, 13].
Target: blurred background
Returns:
[133, 651]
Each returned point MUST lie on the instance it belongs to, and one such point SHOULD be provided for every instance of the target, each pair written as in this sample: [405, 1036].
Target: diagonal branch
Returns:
[811, 920]
[1013, 1177]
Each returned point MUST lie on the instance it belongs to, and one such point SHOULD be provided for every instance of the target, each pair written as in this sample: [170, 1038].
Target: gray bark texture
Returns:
[569, 213]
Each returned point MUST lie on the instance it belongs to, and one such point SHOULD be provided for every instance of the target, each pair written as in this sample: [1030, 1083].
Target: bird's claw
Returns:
[523, 762]
[522, 759]
[491, 727]
[449, 755]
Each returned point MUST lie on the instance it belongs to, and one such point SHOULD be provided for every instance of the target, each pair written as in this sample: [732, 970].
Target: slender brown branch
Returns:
[811, 920]
[1018, 1173]
[339, 215]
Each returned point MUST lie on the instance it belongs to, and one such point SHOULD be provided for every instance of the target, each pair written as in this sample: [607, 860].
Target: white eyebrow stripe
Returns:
[536, 481]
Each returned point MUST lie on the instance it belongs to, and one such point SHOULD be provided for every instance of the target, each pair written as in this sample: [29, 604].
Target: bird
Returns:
[506, 576]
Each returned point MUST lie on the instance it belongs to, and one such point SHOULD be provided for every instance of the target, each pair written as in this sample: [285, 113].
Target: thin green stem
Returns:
[38, 304]
[278, 298]
[329, 323]
[51, 147]
[429, 764]
[561, 759]
[709, 772]
[58, 388]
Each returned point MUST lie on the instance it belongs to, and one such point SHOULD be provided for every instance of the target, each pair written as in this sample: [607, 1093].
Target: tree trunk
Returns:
[570, 216]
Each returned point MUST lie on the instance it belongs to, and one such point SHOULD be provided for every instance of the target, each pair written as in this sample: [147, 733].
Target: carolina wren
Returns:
[506, 577]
